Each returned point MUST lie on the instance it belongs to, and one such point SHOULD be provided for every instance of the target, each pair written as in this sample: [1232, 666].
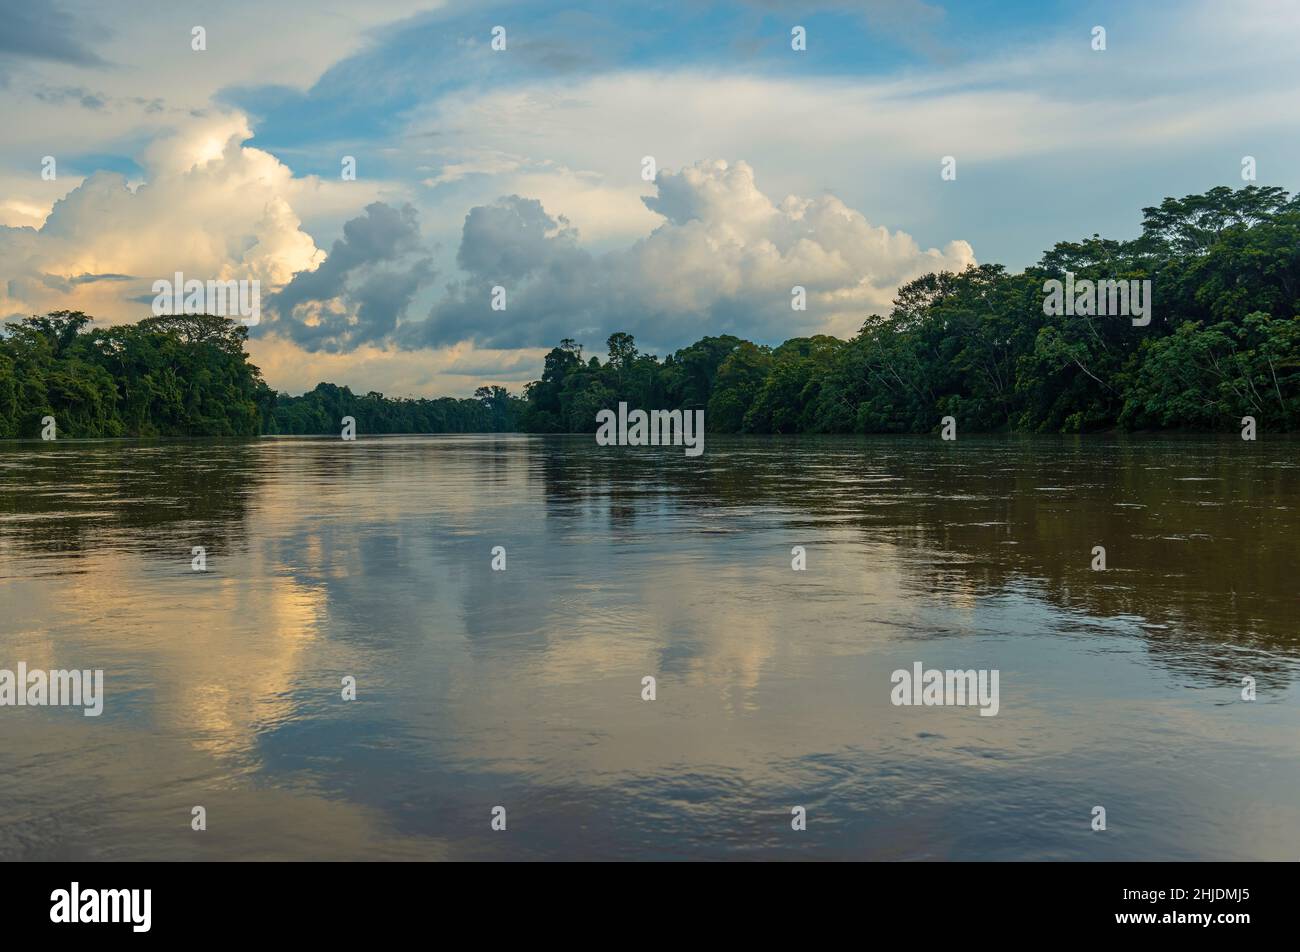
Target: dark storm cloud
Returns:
[512, 238]
[361, 290]
[548, 280]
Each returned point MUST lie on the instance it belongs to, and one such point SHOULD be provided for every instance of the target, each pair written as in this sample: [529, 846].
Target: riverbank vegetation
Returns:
[1223, 342]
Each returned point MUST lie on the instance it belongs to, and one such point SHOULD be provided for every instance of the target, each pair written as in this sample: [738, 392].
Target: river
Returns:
[324, 560]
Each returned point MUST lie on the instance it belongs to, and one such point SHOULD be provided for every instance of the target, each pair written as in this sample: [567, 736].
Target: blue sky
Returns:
[521, 168]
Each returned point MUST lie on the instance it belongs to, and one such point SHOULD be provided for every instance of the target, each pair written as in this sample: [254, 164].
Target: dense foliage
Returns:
[164, 376]
[491, 410]
[1223, 343]
[189, 375]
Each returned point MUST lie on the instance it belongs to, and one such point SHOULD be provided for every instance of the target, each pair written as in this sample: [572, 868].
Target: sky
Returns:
[525, 168]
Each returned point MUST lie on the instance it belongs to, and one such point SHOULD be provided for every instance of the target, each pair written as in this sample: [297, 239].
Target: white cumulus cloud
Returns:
[723, 260]
[209, 206]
